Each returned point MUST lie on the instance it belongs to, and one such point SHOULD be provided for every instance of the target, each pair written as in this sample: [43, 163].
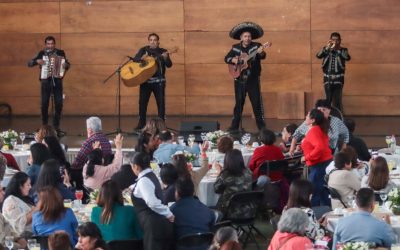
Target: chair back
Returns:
[336, 196]
[126, 244]
[216, 226]
[270, 166]
[198, 241]
[244, 205]
[272, 195]
[319, 211]
[43, 241]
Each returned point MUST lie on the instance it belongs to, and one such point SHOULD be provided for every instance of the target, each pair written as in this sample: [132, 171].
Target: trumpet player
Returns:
[334, 59]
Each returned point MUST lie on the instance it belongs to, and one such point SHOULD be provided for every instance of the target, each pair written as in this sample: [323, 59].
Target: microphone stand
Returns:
[117, 71]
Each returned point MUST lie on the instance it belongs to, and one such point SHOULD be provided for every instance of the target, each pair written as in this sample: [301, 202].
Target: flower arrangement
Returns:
[360, 245]
[6, 136]
[394, 198]
[189, 156]
[213, 136]
[93, 195]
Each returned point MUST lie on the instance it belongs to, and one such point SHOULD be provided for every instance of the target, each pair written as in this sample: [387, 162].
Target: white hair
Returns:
[93, 123]
[293, 220]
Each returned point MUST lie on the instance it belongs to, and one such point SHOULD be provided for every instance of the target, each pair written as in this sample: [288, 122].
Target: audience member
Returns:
[57, 153]
[156, 220]
[51, 215]
[59, 241]
[362, 225]
[155, 126]
[18, 206]
[300, 196]
[124, 177]
[6, 229]
[90, 238]
[234, 178]
[343, 180]
[378, 177]
[94, 172]
[39, 154]
[11, 162]
[45, 130]
[49, 175]
[185, 169]
[185, 206]
[167, 149]
[291, 229]
[169, 176]
[115, 221]
[356, 142]
[287, 136]
[224, 144]
[147, 143]
[317, 155]
[94, 133]
[223, 237]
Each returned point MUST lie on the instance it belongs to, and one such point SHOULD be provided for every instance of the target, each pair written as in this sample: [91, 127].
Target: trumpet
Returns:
[331, 44]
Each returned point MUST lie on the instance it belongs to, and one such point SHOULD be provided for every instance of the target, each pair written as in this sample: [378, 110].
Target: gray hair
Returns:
[93, 123]
[293, 220]
[223, 235]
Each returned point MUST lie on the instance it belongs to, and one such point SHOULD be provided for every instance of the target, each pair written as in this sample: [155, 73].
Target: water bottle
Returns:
[393, 144]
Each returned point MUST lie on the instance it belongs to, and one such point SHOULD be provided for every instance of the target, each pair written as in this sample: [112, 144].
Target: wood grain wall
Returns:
[97, 38]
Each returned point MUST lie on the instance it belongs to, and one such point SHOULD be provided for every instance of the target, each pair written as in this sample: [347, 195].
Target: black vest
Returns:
[139, 203]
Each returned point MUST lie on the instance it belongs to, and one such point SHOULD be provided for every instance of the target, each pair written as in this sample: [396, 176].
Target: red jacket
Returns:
[11, 162]
[316, 146]
[266, 153]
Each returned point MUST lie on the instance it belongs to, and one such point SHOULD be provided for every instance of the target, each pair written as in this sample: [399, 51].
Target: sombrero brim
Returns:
[255, 30]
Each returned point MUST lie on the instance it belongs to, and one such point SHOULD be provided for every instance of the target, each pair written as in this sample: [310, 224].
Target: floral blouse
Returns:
[314, 230]
[15, 211]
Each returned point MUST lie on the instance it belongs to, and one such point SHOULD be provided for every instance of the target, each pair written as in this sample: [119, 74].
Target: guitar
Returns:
[236, 69]
[136, 73]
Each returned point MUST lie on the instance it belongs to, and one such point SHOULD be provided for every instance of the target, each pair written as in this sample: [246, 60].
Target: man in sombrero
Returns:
[248, 82]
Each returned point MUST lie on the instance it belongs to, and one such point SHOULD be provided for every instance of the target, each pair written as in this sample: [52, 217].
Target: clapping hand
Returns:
[118, 141]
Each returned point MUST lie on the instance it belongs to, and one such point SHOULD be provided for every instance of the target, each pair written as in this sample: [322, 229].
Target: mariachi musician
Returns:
[156, 83]
[249, 79]
[53, 64]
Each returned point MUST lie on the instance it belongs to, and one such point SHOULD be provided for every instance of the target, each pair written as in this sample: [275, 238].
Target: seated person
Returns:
[51, 215]
[147, 143]
[291, 228]
[115, 220]
[343, 180]
[90, 238]
[95, 172]
[186, 222]
[362, 225]
[378, 177]
[225, 238]
[267, 152]
[59, 241]
[167, 149]
[11, 162]
[287, 135]
[169, 176]
[224, 144]
[124, 177]
[359, 168]
[356, 142]
[39, 154]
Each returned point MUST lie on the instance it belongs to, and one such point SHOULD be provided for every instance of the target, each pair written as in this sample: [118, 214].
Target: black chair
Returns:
[248, 202]
[198, 241]
[319, 211]
[42, 240]
[271, 201]
[274, 222]
[270, 166]
[218, 225]
[335, 195]
[126, 244]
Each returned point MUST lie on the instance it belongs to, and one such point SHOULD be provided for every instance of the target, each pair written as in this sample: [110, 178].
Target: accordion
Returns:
[52, 67]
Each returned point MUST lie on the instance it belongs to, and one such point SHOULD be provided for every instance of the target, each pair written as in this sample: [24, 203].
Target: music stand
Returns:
[117, 72]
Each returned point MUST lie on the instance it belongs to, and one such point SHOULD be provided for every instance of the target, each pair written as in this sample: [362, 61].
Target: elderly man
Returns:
[362, 225]
[93, 128]
[337, 129]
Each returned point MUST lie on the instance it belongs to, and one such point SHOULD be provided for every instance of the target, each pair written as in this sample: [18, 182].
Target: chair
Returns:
[270, 166]
[335, 195]
[198, 241]
[247, 203]
[216, 226]
[42, 240]
[319, 211]
[274, 222]
[126, 244]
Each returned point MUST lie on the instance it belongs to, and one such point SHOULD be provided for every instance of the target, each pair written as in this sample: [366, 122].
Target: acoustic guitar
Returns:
[136, 73]
[236, 69]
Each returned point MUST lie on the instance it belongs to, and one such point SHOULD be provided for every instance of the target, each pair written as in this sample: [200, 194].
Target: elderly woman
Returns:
[291, 229]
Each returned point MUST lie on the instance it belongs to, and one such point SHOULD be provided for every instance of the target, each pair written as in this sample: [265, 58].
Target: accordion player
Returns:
[54, 66]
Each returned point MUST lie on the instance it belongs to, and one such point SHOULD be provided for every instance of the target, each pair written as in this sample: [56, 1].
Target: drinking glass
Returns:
[31, 244]
[14, 143]
[191, 139]
[388, 140]
[9, 242]
[67, 203]
[79, 195]
[22, 137]
[350, 199]
[203, 136]
[181, 140]
[246, 138]
[383, 197]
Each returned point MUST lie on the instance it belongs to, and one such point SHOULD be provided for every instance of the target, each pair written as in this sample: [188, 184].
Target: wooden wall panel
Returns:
[34, 17]
[355, 15]
[377, 46]
[112, 48]
[371, 105]
[211, 47]
[293, 105]
[211, 15]
[122, 16]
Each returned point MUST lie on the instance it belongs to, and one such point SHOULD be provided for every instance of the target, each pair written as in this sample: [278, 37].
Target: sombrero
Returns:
[255, 30]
